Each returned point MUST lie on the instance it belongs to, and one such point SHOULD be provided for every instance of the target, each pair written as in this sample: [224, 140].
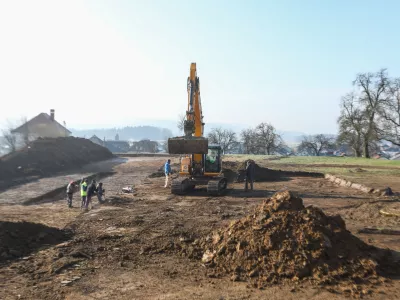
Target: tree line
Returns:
[264, 140]
[370, 113]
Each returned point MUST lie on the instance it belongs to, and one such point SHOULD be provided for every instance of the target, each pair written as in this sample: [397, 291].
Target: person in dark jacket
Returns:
[91, 190]
[250, 170]
[100, 192]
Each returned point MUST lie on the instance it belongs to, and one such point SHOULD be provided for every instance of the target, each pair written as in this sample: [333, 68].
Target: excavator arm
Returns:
[193, 141]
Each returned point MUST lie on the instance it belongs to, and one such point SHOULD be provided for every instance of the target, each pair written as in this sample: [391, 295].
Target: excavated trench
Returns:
[235, 172]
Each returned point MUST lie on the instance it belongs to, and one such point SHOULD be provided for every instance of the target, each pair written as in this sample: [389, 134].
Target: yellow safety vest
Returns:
[84, 191]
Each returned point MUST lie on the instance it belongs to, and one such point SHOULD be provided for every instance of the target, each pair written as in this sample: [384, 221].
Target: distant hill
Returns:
[161, 129]
[289, 136]
[126, 133]
[172, 125]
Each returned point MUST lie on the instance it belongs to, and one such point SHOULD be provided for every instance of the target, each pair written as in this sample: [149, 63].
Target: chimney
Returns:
[52, 114]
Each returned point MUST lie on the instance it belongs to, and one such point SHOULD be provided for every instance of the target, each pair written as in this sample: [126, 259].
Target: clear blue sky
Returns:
[283, 62]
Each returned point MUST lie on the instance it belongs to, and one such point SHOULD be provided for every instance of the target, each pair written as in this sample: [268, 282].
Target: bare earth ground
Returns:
[116, 250]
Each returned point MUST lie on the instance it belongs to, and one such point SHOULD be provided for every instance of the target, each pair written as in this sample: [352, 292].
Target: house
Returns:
[392, 151]
[116, 146]
[380, 156]
[144, 146]
[95, 139]
[327, 152]
[395, 157]
[43, 125]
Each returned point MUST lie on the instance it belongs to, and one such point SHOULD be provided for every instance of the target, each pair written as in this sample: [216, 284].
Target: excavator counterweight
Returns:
[187, 145]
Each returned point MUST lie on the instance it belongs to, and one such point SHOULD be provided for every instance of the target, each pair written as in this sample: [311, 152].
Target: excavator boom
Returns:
[193, 141]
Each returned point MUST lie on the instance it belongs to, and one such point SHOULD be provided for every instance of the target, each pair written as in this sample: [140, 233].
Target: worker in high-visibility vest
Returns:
[83, 192]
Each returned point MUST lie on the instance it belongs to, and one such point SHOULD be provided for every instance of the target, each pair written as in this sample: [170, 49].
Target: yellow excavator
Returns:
[201, 163]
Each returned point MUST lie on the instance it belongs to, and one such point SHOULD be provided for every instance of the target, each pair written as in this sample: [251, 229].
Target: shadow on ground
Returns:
[20, 239]
[60, 192]
[95, 167]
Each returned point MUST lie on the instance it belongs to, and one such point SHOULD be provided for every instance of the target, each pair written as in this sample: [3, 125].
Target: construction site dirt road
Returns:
[143, 245]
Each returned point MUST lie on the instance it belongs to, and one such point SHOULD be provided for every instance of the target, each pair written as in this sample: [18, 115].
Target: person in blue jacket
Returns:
[167, 170]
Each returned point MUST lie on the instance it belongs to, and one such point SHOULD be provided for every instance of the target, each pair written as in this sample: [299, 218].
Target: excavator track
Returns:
[181, 186]
[217, 186]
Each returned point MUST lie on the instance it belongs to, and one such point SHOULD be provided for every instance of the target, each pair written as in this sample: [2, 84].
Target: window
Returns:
[212, 155]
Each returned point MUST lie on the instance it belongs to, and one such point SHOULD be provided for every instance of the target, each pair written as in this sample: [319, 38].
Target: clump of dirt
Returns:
[21, 238]
[46, 156]
[283, 240]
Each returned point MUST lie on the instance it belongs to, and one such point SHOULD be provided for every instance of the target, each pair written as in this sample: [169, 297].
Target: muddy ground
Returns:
[121, 249]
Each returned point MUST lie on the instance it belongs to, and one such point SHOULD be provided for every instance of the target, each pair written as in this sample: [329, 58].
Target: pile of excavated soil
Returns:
[47, 156]
[21, 238]
[283, 240]
[235, 171]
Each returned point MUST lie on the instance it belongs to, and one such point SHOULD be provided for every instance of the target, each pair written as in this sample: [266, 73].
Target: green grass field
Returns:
[317, 160]
[373, 172]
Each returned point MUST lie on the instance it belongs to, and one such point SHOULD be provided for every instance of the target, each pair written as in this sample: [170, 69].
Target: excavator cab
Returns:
[212, 160]
[210, 163]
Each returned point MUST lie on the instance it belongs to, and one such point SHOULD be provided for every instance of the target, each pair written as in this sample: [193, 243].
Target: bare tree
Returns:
[9, 138]
[262, 140]
[181, 122]
[224, 137]
[352, 124]
[363, 110]
[284, 149]
[268, 141]
[165, 144]
[25, 132]
[314, 144]
[248, 139]
[374, 94]
[251, 142]
[389, 128]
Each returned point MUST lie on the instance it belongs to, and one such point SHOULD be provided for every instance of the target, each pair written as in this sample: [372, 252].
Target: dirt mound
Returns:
[22, 238]
[283, 240]
[47, 156]
[235, 172]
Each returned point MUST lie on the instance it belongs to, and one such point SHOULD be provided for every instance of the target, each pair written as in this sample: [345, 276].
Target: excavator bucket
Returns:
[185, 145]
